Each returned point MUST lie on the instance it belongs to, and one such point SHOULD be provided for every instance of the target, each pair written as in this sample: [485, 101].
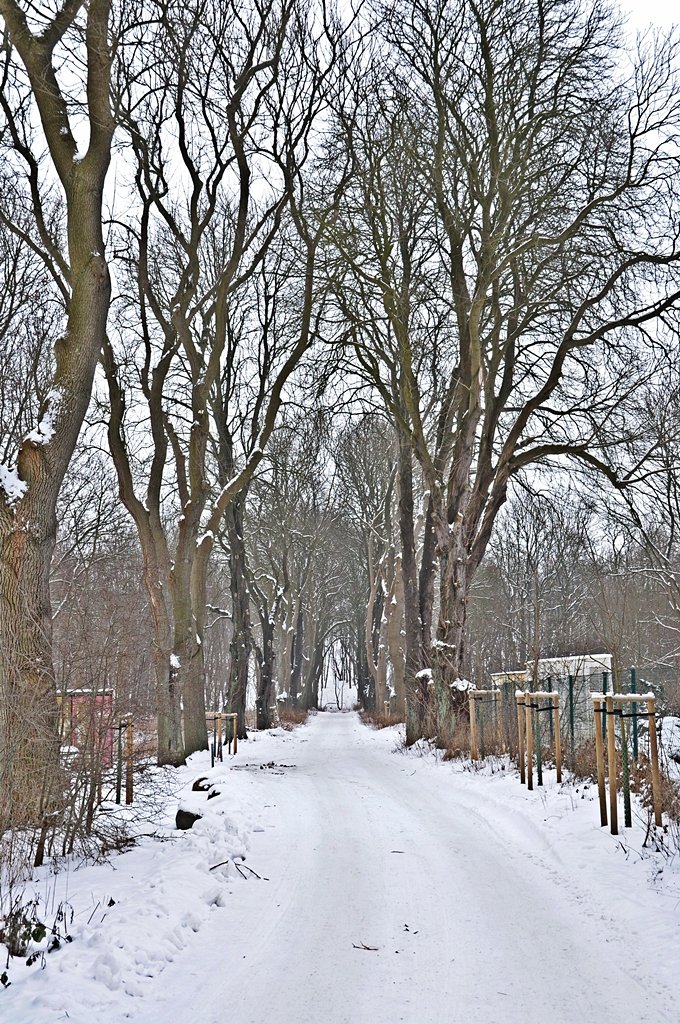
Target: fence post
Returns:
[558, 737]
[538, 744]
[654, 758]
[472, 705]
[119, 764]
[625, 775]
[530, 741]
[482, 745]
[235, 721]
[128, 755]
[599, 754]
[605, 678]
[550, 713]
[519, 698]
[572, 737]
[611, 765]
[634, 709]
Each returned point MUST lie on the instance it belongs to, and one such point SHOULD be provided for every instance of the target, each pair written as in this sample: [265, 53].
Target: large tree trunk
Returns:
[242, 640]
[416, 683]
[167, 692]
[428, 569]
[297, 653]
[363, 674]
[376, 649]
[449, 647]
[156, 576]
[310, 689]
[28, 498]
[29, 744]
[187, 587]
[395, 638]
[265, 679]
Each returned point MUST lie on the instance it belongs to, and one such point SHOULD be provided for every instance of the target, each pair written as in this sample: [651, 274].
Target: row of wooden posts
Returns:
[530, 704]
[220, 735]
[125, 747]
[607, 708]
[125, 752]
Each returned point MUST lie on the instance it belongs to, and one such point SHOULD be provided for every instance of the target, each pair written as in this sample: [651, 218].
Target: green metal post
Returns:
[482, 749]
[539, 752]
[634, 709]
[550, 715]
[625, 775]
[605, 679]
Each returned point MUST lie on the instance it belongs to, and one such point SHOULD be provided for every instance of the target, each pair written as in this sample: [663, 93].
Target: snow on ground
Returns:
[394, 887]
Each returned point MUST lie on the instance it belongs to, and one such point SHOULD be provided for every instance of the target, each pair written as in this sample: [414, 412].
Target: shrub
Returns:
[290, 718]
[378, 719]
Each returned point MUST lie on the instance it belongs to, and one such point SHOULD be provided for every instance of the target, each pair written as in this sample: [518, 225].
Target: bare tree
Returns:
[243, 88]
[68, 238]
[503, 265]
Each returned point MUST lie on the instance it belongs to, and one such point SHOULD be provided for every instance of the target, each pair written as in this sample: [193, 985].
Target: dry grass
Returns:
[378, 719]
[459, 742]
[290, 718]
[584, 762]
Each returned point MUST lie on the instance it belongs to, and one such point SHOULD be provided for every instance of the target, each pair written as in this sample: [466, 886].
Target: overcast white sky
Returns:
[657, 12]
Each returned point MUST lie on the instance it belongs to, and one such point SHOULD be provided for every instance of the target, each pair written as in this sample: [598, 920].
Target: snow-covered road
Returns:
[397, 891]
[365, 848]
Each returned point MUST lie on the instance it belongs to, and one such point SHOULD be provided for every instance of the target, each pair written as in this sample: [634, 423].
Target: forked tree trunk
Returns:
[156, 576]
[27, 505]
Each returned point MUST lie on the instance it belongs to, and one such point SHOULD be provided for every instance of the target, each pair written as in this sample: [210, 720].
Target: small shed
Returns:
[86, 722]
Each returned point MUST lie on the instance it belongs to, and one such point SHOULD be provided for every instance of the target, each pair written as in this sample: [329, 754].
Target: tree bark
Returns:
[242, 639]
[416, 684]
[265, 681]
[297, 652]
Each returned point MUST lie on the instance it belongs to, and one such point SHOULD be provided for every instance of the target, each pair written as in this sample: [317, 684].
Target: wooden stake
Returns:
[472, 705]
[654, 758]
[520, 737]
[529, 741]
[119, 762]
[611, 766]
[558, 737]
[128, 760]
[498, 722]
[232, 734]
[599, 754]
